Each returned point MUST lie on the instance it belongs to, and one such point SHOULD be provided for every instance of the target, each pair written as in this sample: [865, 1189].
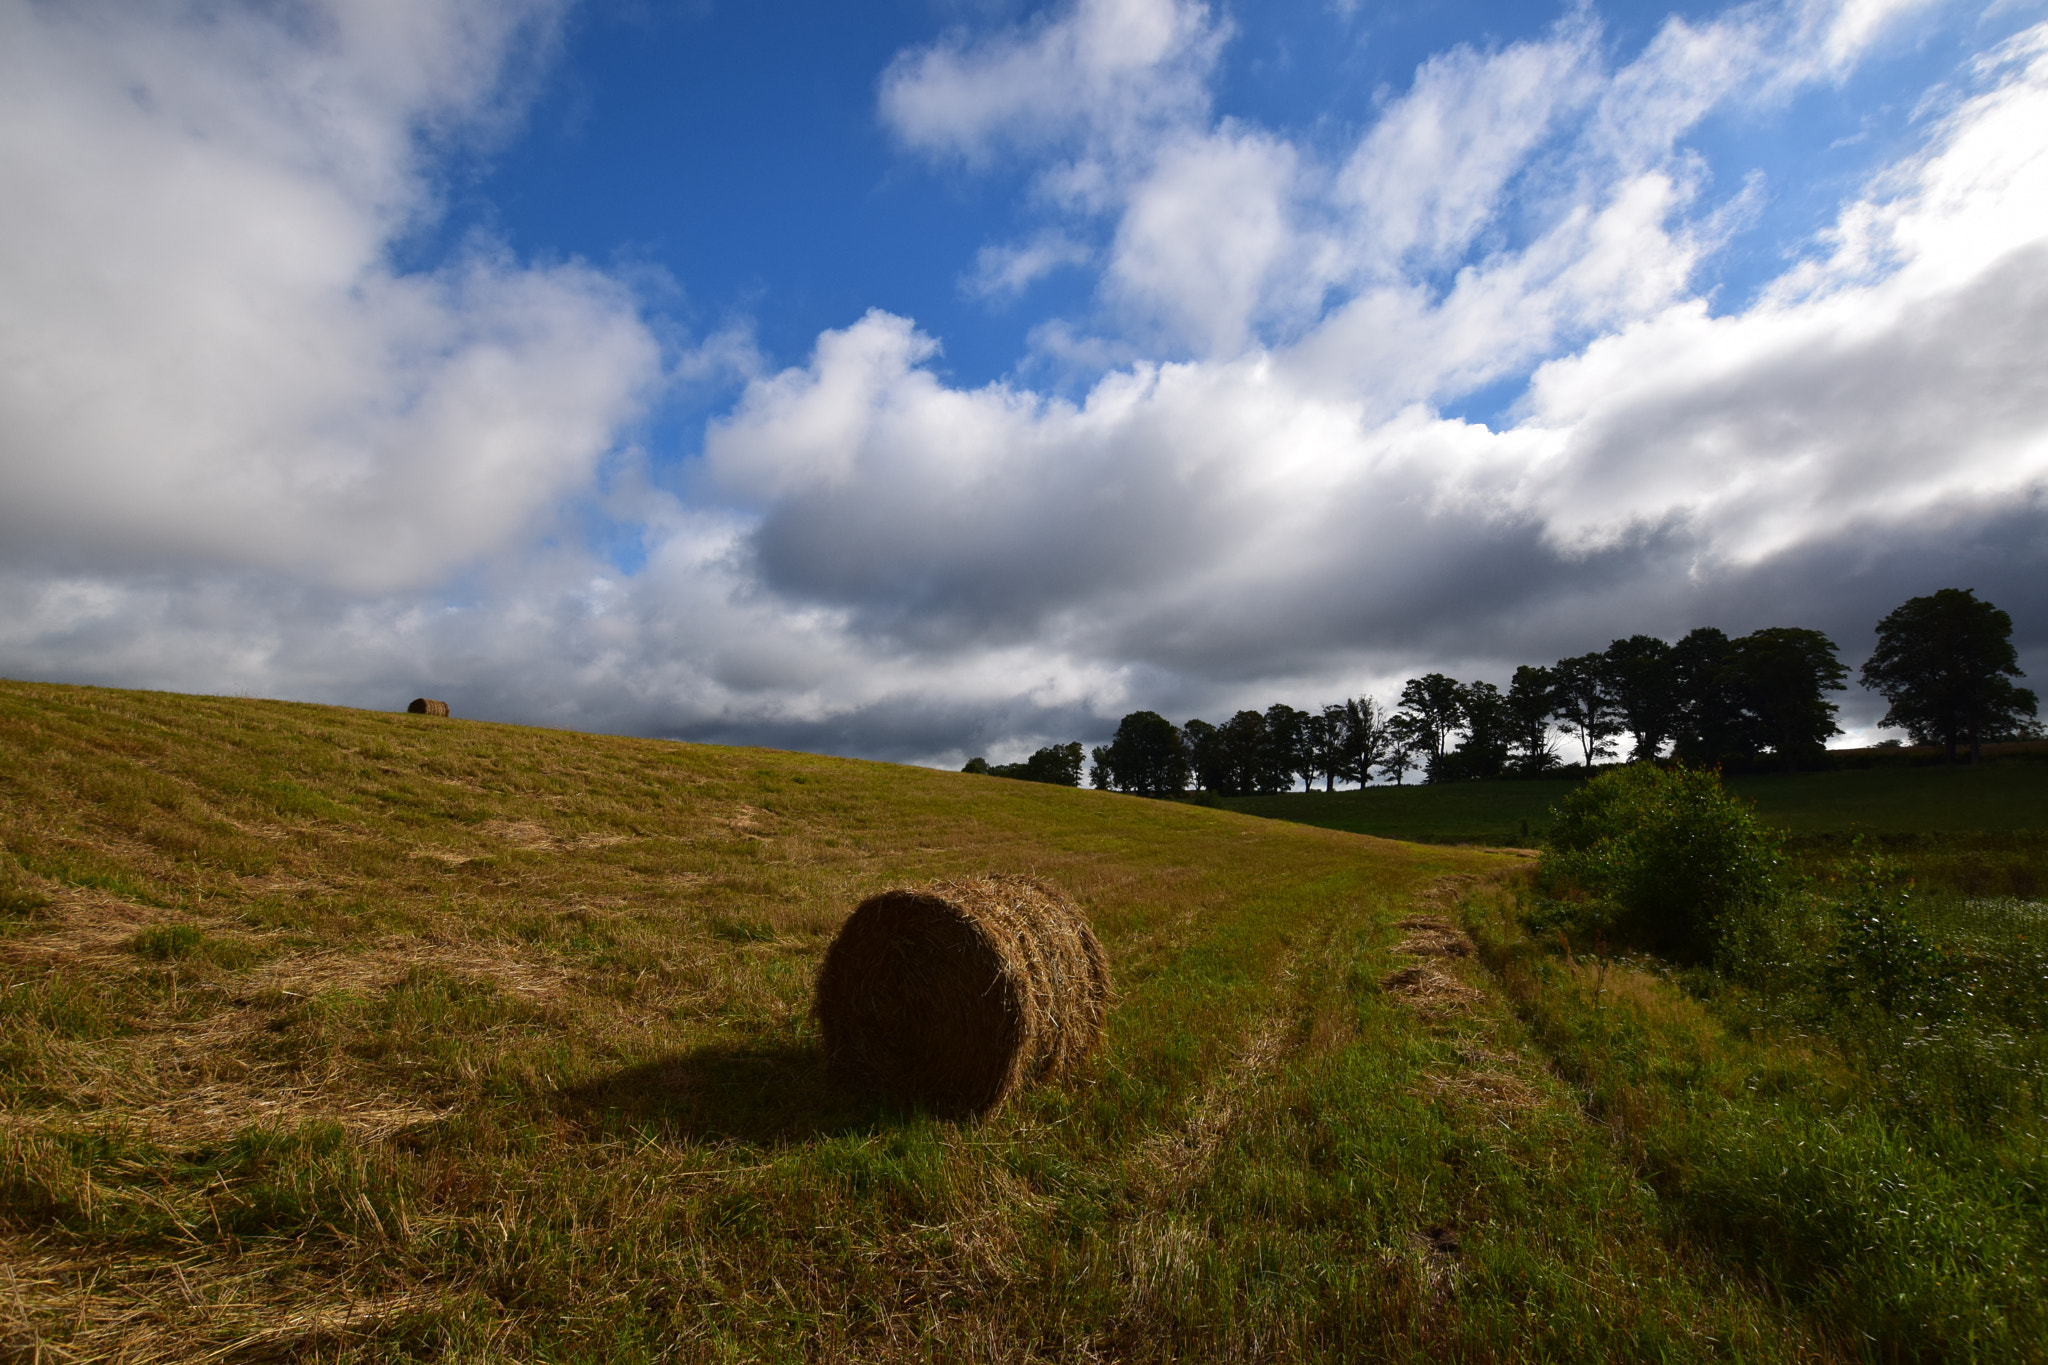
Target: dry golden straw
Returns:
[427, 706]
[958, 994]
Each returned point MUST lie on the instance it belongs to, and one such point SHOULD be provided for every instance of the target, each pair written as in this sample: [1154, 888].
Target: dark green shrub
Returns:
[1660, 856]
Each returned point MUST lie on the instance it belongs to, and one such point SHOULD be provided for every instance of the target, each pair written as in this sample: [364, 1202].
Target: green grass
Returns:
[1496, 814]
[347, 1035]
[1999, 797]
[1888, 1175]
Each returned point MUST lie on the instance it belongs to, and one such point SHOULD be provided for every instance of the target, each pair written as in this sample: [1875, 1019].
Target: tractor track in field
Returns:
[1173, 1161]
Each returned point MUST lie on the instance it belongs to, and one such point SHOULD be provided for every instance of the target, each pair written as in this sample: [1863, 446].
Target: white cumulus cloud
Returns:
[207, 357]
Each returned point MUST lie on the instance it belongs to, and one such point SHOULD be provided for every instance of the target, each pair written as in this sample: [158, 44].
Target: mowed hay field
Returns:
[331, 1034]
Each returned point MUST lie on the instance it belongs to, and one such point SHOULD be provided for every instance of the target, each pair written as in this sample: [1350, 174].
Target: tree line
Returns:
[1945, 663]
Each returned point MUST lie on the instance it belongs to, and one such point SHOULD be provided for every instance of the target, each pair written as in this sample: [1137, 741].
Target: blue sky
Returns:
[738, 146]
[938, 377]
[737, 150]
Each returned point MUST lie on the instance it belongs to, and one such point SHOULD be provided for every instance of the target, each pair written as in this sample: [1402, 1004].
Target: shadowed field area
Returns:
[2001, 797]
[345, 1035]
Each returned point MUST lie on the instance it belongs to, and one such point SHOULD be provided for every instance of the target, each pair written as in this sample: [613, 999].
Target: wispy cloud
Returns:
[1003, 272]
[1099, 78]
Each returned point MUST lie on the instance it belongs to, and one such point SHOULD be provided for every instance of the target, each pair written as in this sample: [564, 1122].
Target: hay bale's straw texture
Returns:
[426, 706]
[958, 994]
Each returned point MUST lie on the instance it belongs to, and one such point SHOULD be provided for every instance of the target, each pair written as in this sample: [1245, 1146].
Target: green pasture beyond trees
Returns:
[2003, 796]
[332, 1034]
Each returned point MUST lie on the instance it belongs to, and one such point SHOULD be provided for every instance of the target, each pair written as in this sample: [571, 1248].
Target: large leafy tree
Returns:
[1713, 723]
[1434, 705]
[1288, 752]
[1946, 663]
[1365, 739]
[1326, 738]
[1059, 764]
[1483, 752]
[1585, 704]
[1785, 673]
[1644, 685]
[1246, 752]
[1531, 699]
[1147, 755]
[1405, 743]
[1207, 756]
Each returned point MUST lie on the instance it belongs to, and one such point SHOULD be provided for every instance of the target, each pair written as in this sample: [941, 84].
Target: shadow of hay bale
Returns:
[762, 1092]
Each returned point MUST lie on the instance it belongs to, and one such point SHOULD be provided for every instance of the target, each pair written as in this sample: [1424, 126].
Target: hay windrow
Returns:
[1429, 991]
[958, 994]
[1434, 943]
[1432, 936]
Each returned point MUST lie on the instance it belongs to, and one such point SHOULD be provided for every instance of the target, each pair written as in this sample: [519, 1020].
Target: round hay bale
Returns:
[958, 994]
[426, 706]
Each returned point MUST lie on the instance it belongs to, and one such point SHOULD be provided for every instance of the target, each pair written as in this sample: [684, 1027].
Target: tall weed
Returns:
[1938, 1013]
[1790, 1149]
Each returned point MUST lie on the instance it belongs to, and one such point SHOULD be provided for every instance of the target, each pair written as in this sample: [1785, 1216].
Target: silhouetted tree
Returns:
[1644, 685]
[1207, 756]
[1288, 755]
[1245, 753]
[1483, 752]
[1946, 663]
[1784, 673]
[1148, 756]
[1059, 764]
[1326, 738]
[1713, 723]
[1101, 775]
[1434, 704]
[1585, 706]
[1365, 739]
[1326, 744]
[1531, 700]
[1405, 743]
[975, 765]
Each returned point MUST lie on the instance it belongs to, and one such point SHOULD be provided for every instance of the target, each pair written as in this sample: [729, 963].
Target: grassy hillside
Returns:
[1892, 800]
[341, 1034]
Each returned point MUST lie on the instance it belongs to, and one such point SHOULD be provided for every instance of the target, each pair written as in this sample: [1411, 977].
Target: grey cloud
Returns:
[992, 562]
[536, 649]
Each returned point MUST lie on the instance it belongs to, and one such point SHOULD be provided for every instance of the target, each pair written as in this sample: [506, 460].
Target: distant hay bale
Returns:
[427, 706]
[958, 994]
